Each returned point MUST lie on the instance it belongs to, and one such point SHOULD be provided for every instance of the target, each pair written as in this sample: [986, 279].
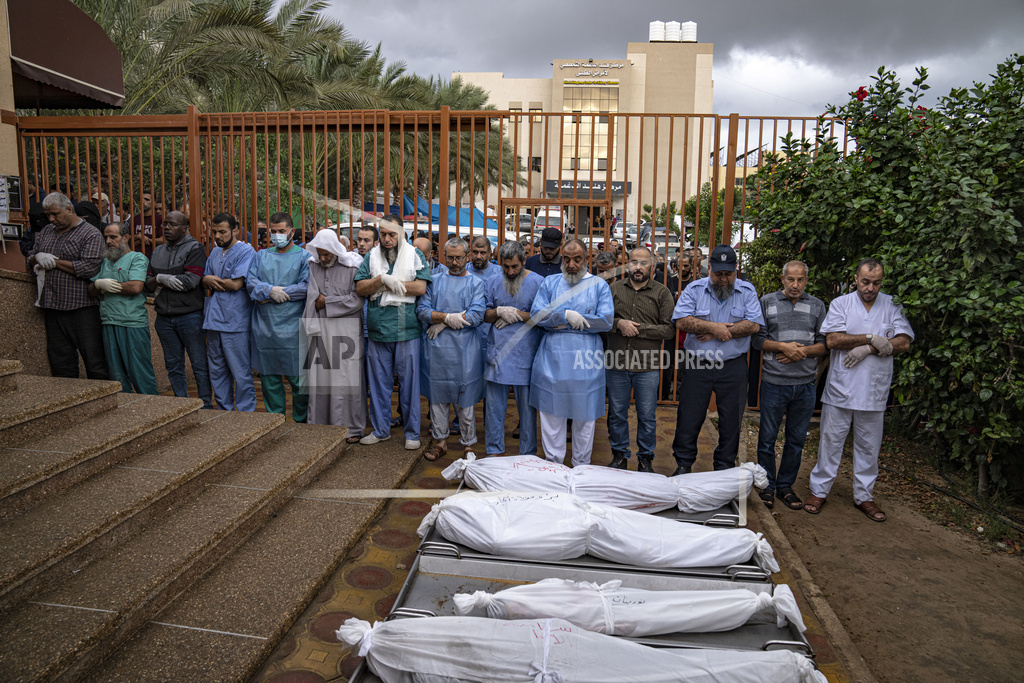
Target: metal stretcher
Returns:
[437, 575]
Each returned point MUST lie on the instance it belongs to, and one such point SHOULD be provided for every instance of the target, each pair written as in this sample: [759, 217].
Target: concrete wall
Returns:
[23, 336]
[8, 134]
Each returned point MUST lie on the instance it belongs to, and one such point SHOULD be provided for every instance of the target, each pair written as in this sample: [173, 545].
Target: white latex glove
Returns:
[46, 261]
[108, 284]
[856, 355]
[169, 281]
[510, 314]
[455, 320]
[575, 320]
[881, 344]
[279, 295]
[394, 285]
[435, 330]
[500, 324]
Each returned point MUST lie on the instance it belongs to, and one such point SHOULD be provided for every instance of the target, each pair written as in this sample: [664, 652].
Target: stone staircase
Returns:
[146, 539]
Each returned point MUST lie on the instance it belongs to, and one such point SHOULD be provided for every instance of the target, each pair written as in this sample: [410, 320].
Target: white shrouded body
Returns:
[454, 649]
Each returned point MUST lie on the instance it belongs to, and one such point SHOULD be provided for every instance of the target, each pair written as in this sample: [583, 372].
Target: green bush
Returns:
[937, 195]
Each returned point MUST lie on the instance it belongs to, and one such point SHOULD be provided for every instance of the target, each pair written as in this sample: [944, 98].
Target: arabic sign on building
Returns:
[592, 68]
[552, 188]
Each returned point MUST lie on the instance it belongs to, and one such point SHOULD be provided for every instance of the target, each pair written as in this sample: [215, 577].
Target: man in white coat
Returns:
[863, 329]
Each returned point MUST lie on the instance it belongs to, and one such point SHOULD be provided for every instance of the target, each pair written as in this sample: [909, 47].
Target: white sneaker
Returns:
[412, 444]
[372, 438]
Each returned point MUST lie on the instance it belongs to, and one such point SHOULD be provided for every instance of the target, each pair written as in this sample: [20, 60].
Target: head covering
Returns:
[101, 196]
[327, 239]
[551, 237]
[723, 258]
[90, 213]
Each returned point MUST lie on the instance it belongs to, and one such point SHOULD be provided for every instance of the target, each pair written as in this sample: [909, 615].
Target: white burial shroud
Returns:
[616, 611]
[561, 526]
[641, 491]
[454, 649]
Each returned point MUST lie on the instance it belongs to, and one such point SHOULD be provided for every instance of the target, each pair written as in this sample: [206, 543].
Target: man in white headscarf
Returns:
[392, 275]
[333, 343]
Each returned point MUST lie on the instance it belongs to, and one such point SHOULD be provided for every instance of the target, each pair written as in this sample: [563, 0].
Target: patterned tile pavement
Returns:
[368, 581]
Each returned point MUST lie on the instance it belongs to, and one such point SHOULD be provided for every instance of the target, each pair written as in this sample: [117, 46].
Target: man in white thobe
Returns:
[863, 329]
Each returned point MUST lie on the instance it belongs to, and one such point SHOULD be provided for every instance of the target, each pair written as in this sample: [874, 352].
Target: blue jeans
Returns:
[495, 410]
[796, 403]
[181, 334]
[644, 386]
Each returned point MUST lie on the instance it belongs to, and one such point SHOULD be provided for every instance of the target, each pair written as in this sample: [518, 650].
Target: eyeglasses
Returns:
[454, 259]
[642, 264]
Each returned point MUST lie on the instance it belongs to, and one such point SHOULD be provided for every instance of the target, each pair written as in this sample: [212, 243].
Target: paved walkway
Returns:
[369, 579]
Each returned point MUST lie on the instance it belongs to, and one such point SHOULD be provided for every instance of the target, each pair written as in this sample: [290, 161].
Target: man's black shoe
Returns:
[644, 464]
[682, 469]
[618, 463]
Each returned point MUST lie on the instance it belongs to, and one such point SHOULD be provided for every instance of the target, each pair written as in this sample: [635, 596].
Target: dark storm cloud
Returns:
[771, 56]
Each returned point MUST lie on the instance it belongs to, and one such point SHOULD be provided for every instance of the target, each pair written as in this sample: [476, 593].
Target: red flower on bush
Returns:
[862, 92]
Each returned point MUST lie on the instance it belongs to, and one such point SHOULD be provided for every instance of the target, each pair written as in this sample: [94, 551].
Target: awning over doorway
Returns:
[61, 58]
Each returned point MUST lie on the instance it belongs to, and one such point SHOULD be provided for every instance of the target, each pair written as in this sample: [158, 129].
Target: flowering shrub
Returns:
[938, 195]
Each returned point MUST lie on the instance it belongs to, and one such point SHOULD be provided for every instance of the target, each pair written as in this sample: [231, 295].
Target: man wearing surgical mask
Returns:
[277, 282]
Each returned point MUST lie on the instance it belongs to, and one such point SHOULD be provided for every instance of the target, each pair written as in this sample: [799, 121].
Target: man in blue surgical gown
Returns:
[277, 283]
[453, 307]
[226, 317]
[568, 372]
[511, 346]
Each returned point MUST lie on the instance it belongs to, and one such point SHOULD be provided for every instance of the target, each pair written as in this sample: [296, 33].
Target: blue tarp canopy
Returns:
[463, 217]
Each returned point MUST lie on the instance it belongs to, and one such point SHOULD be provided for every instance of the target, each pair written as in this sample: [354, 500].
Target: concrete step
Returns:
[47, 464]
[9, 370]
[93, 611]
[43, 405]
[223, 627]
[107, 508]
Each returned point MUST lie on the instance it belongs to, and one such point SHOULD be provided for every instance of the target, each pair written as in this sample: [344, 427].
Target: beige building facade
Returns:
[595, 100]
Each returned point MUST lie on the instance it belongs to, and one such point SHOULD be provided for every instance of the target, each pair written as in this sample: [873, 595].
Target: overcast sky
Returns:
[772, 57]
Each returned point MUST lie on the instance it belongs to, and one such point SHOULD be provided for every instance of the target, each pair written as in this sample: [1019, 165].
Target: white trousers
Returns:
[440, 427]
[552, 437]
[867, 441]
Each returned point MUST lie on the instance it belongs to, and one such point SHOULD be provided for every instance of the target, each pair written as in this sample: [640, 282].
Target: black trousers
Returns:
[69, 333]
[698, 379]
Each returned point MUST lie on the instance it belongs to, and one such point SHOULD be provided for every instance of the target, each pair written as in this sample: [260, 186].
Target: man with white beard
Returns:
[393, 274]
[511, 346]
[568, 372]
[126, 340]
[333, 323]
[719, 314]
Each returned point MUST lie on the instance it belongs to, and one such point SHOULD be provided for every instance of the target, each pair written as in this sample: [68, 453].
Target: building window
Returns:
[585, 136]
[536, 119]
[535, 165]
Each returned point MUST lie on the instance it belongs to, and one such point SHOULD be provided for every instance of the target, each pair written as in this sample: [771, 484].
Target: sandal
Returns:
[438, 450]
[791, 500]
[873, 512]
[353, 439]
[396, 422]
[767, 497]
[814, 505]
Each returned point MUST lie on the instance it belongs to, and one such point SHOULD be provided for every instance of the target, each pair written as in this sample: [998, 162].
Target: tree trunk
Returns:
[983, 479]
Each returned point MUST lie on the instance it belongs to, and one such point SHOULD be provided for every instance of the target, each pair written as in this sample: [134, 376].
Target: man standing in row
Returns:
[548, 261]
[791, 342]
[333, 320]
[227, 316]
[176, 270]
[393, 274]
[567, 378]
[147, 226]
[511, 347]
[452, 307]
[70, 251]
[277, 281]
[643, 320]
[719, 314]
[864, 329]
[126, 337]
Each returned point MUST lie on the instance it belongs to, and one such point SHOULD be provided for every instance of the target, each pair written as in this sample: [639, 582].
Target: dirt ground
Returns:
[921, 598]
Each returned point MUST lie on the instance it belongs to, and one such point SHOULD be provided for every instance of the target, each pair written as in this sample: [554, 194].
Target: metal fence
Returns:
[682, 178]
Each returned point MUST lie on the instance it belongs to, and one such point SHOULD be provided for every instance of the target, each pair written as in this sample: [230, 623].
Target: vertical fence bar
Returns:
[443, 174]
[730, 179]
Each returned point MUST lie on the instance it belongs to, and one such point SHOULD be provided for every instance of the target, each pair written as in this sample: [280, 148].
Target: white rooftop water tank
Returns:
[673, 32]
[689, 31]
[657, 34]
